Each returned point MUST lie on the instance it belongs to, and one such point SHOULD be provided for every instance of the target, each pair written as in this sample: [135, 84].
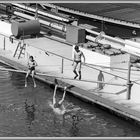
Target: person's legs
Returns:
[33, 73]
[80, 75]
[80, 70]
[101, 85]
[74, 70]
[26, 77]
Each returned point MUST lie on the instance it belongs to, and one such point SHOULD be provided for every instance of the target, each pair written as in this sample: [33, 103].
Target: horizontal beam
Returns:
[66, 78]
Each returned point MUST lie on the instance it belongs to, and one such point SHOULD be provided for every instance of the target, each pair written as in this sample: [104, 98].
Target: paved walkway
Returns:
[111, 96]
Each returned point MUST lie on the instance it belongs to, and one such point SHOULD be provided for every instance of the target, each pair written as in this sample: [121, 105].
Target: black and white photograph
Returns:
[69, 69]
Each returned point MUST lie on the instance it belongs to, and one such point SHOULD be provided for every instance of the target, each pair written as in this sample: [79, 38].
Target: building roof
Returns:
[122, 11]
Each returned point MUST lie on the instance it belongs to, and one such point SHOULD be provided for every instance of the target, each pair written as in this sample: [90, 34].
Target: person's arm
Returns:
[84, 57]
[103, 77]
[73, 58]
[54, 94]
[60, 102]
[35, 63]
[28, 64]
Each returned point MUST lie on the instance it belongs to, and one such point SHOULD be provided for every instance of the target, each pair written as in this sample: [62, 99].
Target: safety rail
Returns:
[84, 64]
[129, 83]
[87, 65]
[6, 36]
[44, 74]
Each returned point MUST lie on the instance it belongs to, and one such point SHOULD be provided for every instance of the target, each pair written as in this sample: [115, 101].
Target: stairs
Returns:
[20, 50]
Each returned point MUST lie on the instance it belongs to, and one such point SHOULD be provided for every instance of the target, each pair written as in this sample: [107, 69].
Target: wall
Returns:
[94, 57]
[120, 61]
[39, 55]
[5, 28]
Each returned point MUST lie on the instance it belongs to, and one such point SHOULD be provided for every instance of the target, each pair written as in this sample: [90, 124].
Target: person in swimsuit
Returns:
[31, 70]
[77, 61]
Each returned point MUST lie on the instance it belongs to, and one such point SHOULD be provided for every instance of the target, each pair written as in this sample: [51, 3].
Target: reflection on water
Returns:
[30, 110]
[26, 112]
[75, 128]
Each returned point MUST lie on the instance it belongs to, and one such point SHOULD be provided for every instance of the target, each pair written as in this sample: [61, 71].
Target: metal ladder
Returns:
[20, 48]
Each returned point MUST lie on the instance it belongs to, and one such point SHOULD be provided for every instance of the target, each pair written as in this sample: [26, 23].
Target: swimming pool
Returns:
[26, 112]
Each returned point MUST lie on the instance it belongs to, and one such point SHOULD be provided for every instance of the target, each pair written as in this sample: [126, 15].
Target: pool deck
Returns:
[111, 97]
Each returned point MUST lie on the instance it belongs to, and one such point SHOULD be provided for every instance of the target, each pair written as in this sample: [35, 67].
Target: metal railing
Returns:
[63, 58]
[87, 65]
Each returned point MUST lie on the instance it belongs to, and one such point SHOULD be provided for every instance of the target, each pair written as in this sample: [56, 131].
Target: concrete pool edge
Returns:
[110, 106]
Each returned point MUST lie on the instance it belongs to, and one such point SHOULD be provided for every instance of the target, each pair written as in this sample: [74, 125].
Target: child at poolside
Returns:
[31, 70]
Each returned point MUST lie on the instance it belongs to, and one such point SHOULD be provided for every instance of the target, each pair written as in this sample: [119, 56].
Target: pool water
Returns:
[26, 112]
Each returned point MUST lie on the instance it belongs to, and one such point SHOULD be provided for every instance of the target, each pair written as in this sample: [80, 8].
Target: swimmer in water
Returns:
[31, 70]
[60, 110]
[58, 106]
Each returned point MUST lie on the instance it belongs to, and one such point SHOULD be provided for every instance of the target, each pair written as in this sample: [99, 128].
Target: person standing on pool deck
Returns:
[77, 61]
[31, 70]
[100, 79]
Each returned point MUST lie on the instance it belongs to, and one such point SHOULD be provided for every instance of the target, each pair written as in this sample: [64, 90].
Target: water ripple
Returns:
[26, 112]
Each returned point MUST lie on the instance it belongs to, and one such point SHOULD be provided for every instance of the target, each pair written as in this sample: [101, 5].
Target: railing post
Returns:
[129, 84]
[4, 43]
[62, 66]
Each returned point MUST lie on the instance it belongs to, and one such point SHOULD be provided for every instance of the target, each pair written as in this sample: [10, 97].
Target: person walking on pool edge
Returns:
[77, 61]
[31, 70]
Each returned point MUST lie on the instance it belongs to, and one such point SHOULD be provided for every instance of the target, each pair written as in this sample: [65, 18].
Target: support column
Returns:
[129, 84]
[4, 43]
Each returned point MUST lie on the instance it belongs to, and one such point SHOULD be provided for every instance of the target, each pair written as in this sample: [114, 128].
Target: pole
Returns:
[23, 36]
[62, 66]
[4, 43]
[129, 84]
[36, 12]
